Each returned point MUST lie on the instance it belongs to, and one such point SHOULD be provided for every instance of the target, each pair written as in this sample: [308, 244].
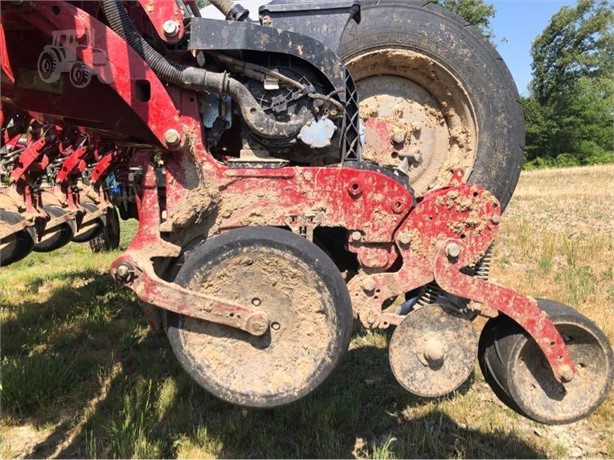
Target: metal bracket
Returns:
[519, 308]
[141, 278]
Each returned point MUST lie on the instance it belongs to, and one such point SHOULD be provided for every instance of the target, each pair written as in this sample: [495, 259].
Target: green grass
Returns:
[84, 376]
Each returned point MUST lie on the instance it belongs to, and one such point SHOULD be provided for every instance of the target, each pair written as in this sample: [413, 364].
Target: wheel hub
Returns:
[433, 350]
[417, 116]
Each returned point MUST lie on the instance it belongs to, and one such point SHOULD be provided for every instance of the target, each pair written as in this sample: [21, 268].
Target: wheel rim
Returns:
[406, 94]
[534, 388]
[297, 353]
[57, 237]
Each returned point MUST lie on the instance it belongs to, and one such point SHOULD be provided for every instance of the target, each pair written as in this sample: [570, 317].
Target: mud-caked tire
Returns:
[517, 371]
[302, 293]
[457, 101]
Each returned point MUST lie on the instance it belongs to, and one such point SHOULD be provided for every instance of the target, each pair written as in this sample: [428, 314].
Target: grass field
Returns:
[83, 376]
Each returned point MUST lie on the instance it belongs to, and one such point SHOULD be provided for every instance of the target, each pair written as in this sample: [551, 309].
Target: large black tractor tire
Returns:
[109, 239]
[454, 99]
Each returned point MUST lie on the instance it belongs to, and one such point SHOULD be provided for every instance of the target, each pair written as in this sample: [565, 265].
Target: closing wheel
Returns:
[519, 374]
[433, 350]
[303, 295]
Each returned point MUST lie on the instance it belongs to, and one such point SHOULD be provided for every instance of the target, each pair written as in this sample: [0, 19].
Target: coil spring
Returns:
[431, 292]
[482, 268]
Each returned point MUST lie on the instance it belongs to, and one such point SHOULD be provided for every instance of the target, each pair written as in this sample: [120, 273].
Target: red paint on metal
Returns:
[160, 11]
[377, 210]
[522, 310]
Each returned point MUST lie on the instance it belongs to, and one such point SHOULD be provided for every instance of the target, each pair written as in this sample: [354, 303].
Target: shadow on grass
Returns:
[112, 388]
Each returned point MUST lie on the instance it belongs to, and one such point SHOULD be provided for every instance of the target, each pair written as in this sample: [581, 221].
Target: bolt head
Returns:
[170, 28]
[496, 219]
[172, 138]
[356, 236]
[567, 374]
[404, 238]
[398, 137]
[434, 351]
[368, 285]
[122, 271]
[453, 250]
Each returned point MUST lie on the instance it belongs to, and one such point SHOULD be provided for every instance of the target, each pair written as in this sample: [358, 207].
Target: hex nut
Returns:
[172, 138]
[404, 238]
[453, 250]
[398, 137]
[368, 285]
[170, 28]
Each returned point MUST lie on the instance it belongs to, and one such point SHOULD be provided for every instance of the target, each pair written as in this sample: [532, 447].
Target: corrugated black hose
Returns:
[197, 79]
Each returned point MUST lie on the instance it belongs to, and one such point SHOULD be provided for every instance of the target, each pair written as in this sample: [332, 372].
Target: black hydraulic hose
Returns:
[197, 79]
[230, 10]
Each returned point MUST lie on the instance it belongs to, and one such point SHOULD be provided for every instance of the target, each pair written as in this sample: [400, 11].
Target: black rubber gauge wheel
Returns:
[299, 288]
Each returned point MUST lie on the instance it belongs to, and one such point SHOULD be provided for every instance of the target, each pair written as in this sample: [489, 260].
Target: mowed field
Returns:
[83, 376]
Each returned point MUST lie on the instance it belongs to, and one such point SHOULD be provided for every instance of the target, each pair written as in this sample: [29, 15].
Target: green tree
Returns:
[570, 111]
[478, 13]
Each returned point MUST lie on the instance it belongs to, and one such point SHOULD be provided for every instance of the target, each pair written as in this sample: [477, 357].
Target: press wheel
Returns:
[432, 352]
[302, 293]
[520, 375]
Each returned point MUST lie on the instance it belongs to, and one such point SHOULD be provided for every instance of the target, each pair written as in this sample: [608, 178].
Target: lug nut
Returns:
[453, 250]
[172, 138]
[170, 28]
[567, 374]
[496, 219]
[414, 157]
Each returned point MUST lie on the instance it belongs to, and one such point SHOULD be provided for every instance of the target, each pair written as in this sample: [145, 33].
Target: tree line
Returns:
[569, 109]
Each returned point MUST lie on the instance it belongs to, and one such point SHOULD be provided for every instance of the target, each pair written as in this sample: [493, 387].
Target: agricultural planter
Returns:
[274, 208]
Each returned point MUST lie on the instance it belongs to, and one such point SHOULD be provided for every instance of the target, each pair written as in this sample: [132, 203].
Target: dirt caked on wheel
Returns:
[435, 96]
[109, 238]
[302, 293]
[432, 352]
[518, 373]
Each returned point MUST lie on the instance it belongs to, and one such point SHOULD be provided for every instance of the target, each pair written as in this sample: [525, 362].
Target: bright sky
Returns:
[520, 22]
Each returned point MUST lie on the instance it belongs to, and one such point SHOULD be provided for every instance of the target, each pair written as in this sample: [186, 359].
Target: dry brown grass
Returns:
[557, 242]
